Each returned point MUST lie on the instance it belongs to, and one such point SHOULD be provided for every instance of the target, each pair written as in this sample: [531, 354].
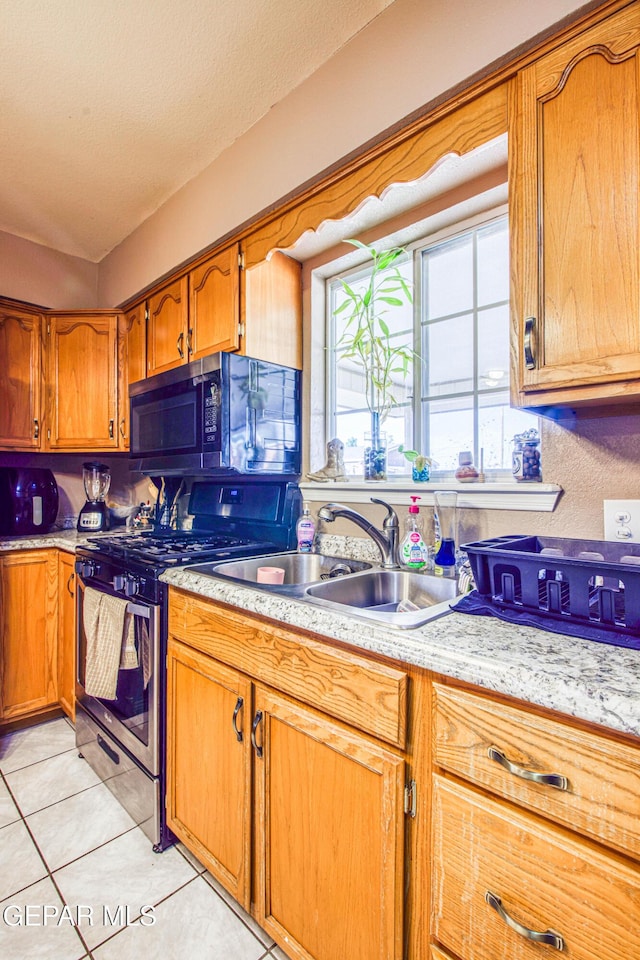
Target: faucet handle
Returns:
[391, 519]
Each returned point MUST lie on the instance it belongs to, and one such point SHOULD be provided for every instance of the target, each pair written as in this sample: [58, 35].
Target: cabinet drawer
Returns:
[365, 694]
[600, 796]
[546, 879]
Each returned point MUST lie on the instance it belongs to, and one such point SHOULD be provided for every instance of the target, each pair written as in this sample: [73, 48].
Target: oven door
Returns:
[133, 717]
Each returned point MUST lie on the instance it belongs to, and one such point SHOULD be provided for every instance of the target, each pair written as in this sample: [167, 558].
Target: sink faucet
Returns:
[386, 539]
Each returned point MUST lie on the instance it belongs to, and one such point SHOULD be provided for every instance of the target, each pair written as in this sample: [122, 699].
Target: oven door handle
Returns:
[137, 611]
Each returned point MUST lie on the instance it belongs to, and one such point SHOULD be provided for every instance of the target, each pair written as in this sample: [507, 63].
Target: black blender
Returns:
[94, 515]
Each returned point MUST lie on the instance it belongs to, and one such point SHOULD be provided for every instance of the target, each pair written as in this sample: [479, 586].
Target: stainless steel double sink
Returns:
[398, 598]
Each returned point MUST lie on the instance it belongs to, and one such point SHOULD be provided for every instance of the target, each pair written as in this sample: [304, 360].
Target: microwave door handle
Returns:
[251, 440]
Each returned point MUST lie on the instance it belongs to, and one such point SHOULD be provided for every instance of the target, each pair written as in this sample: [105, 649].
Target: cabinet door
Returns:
[273, 311]
[330, 835]
[66, 633]
[82, 381]
[167, 331]
[575, 208]
[132, 363]
[214, 310]
[20, 379]
[28, 620]
[209, 765]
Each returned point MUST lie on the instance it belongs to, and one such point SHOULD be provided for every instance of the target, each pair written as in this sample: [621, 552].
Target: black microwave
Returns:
[221, 414]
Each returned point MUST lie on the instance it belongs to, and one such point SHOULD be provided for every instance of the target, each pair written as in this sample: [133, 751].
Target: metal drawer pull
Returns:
[529, 359]
[257, 720]
[111, 426]
[72, 577]
[546, 779]
[122, 433]
[238, 708]
[36, 429]
[550, 937]
[179, 343]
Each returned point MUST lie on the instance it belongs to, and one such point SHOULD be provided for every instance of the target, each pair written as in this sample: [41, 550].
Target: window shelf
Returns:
[541, 497]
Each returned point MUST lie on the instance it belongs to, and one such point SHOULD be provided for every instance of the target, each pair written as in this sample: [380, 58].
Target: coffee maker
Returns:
[94, 515]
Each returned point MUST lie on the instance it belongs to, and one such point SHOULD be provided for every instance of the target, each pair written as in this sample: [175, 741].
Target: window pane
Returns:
[498, 424]
[449, 277]
[493, 263]
[450, 430]
[448, 356]
[493, 347]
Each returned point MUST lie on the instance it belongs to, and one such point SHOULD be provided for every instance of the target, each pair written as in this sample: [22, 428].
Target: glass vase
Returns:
[375, 452]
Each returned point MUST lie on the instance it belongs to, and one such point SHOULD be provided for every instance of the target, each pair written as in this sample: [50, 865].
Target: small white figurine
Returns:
[334, 467]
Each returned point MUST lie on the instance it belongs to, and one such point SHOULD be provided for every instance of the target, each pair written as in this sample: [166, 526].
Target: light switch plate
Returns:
[622, 520]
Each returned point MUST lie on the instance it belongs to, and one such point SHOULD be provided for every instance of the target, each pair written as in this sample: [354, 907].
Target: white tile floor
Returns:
[69, 852]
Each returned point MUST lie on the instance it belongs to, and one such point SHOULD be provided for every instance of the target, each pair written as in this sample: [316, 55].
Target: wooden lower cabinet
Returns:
[504, 878]
[28, 632]
[67, 633]
[299, 814]
[209, 764]
[330, 835]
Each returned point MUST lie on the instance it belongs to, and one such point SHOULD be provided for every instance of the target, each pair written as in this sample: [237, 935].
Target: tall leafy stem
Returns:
[367, 337]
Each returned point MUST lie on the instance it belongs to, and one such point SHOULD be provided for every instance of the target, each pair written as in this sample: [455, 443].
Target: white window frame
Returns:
[500, 491]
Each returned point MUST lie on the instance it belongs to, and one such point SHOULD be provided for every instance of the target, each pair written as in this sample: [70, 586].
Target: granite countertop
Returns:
[582, 678]
[62, 539]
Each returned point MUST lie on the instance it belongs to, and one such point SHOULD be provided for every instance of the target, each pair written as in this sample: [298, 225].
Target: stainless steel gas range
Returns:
[121, 731]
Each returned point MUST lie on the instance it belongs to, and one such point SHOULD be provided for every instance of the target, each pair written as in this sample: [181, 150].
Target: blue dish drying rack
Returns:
[592, 582]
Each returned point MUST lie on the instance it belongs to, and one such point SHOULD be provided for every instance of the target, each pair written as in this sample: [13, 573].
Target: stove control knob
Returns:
[119, 581]
[86, 568]
[131, 586]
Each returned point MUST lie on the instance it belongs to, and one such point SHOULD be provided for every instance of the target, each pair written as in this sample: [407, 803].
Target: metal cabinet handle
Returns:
[546, 779]
[257, 720]
[179, 343]
[72, 577]
[111, 427]
[189, 347]
[549, 937]
[529, 359]
[238, 708]
[36, 429]
[122, 433]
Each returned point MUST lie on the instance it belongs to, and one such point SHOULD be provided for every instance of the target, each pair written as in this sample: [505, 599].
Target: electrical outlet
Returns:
[622, 520]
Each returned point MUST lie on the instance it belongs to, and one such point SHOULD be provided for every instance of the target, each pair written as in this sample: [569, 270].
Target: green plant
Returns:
[367, 337]
[417, 460]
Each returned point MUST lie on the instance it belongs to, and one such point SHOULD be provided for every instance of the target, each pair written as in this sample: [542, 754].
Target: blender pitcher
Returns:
[446, 503]
[94, 515]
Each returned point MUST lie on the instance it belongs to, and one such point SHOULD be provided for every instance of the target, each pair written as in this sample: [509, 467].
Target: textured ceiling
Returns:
[107, 107]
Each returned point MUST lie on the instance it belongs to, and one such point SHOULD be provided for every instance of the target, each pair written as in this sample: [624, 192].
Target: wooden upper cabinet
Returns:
[132, 363]
[575, 207]
[20, 378]
[168, 327]
[214, 308]
[82, 381]
[272, 306]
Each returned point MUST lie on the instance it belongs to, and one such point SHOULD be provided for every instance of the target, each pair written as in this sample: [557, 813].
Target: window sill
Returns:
[506, 495]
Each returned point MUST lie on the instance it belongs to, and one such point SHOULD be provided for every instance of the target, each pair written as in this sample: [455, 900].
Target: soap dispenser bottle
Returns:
[413, 550]
[305, 530]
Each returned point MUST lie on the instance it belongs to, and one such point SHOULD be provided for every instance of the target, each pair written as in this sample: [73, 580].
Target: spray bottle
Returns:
[413, 550]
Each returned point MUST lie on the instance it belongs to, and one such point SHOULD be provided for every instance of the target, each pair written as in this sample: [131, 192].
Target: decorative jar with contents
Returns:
[525, 460]
[466, 471]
